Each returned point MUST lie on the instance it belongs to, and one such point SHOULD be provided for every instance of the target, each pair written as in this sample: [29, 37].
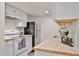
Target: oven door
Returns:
[19, 45]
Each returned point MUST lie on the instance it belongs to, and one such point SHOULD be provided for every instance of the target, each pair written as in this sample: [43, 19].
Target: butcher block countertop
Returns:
[54, 45]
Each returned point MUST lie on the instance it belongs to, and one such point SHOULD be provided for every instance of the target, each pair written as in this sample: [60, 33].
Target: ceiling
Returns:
[34, 8]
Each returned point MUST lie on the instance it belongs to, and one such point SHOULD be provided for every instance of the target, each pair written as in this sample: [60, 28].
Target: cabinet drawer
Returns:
[9, 43]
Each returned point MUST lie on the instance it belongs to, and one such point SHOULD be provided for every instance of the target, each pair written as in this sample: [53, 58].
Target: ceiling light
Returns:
[46, 11]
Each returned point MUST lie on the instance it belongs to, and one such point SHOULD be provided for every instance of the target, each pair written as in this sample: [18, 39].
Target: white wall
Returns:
[76, 37]
[48, 27]
[2, 48]
[67, 10]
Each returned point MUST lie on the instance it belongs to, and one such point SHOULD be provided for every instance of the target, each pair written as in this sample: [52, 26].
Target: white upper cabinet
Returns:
[23, 21]
[23, 16]
[14, 13]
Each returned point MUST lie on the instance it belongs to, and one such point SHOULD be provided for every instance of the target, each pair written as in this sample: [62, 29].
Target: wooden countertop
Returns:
[55, 46]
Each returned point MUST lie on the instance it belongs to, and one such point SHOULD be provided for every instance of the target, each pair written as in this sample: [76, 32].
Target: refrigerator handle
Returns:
[36, 30]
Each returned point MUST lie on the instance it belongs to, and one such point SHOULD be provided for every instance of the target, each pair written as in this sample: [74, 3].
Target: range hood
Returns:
[12, 16]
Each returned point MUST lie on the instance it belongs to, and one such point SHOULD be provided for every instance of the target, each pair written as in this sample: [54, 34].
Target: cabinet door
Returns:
[23, 18]
[9, 50]
[29, 44]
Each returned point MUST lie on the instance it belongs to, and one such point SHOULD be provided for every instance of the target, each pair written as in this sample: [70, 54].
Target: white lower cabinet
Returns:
[9, 48]
[29, 43]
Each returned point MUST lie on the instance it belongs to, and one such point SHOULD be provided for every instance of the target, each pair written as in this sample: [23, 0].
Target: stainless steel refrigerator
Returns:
[34, 29]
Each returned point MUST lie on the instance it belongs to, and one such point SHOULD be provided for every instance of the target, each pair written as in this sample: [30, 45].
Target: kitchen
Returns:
[18, 23]
[32, 28]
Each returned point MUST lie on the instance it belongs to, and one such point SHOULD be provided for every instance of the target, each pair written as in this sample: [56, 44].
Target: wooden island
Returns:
[54, 47]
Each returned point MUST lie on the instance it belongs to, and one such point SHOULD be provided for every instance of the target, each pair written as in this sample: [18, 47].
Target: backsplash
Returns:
[11, 24]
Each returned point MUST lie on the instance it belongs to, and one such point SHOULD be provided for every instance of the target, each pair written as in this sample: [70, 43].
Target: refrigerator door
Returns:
[37, 33]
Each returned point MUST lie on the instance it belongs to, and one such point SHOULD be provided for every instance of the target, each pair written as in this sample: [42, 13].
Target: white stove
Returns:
[19, 42]
[19, 45]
